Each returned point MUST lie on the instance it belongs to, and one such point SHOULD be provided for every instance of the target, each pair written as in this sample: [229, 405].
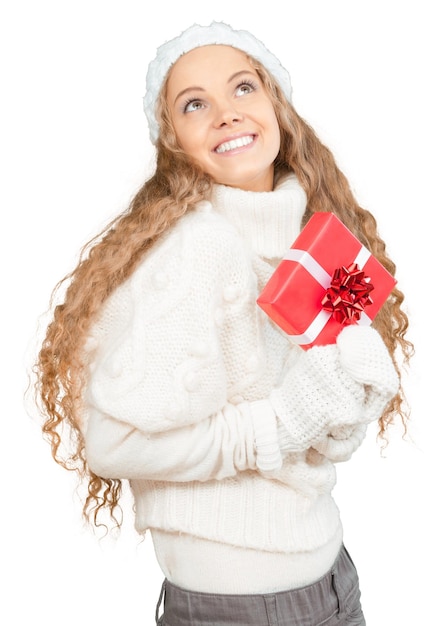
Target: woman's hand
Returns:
[333, 386]
[364, 356]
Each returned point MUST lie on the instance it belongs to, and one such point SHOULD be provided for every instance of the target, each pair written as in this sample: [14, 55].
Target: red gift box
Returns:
[326, 280]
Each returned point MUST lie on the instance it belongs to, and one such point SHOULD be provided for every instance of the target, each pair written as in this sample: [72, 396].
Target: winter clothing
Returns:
[226, 431]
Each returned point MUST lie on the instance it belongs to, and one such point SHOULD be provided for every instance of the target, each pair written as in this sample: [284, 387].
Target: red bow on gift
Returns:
[348, 294]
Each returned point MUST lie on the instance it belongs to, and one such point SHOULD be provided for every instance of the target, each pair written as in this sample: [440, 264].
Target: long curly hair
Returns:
[111, 257]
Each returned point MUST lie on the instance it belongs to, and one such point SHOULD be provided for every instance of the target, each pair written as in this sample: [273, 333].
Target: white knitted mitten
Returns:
[364, 356]
[317, 395]
[341, 444]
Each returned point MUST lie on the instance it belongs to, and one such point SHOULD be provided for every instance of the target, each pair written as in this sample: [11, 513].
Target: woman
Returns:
[169, 376]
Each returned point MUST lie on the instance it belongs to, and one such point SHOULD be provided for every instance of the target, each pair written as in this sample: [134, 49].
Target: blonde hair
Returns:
[113, 255]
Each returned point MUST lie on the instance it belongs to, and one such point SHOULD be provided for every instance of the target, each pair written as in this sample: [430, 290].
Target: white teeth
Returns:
[235, 143]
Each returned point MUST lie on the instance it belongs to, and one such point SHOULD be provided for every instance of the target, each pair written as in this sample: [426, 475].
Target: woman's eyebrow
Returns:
[239, 73]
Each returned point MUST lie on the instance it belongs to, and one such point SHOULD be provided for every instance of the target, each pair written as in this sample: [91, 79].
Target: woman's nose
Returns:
[227, 115]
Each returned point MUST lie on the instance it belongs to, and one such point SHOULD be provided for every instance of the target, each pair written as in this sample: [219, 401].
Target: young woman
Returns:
[167, 375]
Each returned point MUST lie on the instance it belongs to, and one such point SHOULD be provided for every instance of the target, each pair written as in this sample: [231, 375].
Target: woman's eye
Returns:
[245, 88]
[192, 105]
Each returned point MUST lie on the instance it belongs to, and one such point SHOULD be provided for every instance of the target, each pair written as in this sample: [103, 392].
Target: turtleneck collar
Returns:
[268, 221]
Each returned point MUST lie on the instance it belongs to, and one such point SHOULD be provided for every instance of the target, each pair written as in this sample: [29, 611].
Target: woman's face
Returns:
[223, 117]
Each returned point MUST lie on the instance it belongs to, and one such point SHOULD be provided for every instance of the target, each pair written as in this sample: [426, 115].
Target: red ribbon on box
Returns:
[325, 281]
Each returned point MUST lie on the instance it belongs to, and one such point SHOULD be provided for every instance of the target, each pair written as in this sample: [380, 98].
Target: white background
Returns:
[74, 148]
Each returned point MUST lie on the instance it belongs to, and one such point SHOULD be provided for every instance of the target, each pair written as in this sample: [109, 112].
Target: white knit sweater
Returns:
[178, 359]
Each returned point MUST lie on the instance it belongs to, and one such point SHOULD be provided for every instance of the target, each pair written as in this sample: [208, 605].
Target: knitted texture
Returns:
[265, 221]
[338, 445]
[341, 444]
[268, 452]
[364, 356]
[182, 363]
[332, 389]
[217, 33]
[317, 395]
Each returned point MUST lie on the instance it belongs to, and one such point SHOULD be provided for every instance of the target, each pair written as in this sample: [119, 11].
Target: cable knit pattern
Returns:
[182, 363]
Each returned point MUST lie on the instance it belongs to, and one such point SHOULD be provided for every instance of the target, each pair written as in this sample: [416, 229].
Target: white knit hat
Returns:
[195, 37]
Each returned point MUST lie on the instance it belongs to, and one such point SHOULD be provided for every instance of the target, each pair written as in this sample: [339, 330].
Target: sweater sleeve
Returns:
[235, 439]
[173, 346]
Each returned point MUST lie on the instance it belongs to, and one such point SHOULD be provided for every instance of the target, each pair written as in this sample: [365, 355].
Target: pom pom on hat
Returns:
[194, 37]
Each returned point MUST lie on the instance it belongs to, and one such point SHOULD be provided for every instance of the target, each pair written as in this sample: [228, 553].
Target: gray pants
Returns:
[334, 600]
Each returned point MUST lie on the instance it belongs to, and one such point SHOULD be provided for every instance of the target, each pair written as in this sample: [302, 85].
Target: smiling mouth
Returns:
[240, 142]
